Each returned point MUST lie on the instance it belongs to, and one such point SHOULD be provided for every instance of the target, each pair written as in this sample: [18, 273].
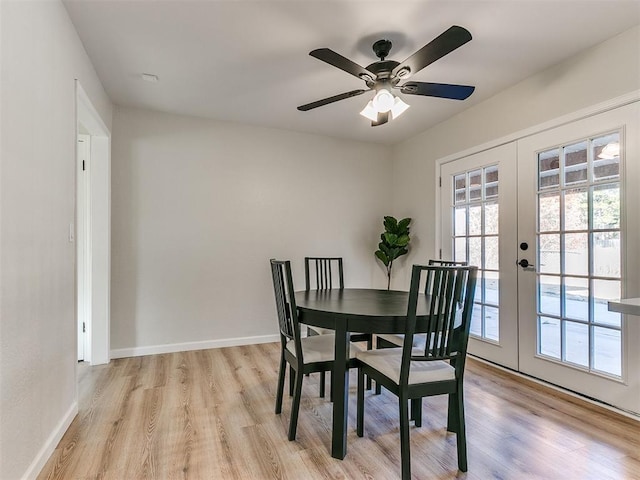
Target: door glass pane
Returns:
[491, 218]
[579, 253]
[575, 163]
[460, 188]
[576, 209]
[549, 333]
[476, 320]
[491, 291]
[477, 298]
[576, 343]
[549, 295]
[607, 356]
[492, 321]
[576, 254]
[475, 251]
[606, 157]
[475, 219]
[491, 182]
[460, 221]
[606, 207]
[460, 249]
[549, 168]
[549, 212]
[576, 296]
[606, 254]
[603, 291]
[475, 185]
[491, 261]
[549, 253]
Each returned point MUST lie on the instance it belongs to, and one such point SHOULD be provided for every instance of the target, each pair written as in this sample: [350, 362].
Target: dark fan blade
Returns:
[440, 46]
[337, 60]
[326, 101]
[442, 90]
[382, 119]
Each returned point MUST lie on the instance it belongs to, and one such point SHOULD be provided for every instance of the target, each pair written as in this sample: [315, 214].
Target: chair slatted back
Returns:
[285, 302]
[444, 263]
[450, 290]
[325, 270]
[447, 263]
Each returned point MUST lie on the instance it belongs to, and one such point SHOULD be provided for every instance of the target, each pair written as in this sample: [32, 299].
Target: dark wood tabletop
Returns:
[353, 310]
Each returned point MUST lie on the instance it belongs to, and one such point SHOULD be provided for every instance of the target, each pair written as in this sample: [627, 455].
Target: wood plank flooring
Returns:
[209, 415]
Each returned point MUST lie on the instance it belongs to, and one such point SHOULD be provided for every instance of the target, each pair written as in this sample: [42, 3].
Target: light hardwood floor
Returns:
[209, 415]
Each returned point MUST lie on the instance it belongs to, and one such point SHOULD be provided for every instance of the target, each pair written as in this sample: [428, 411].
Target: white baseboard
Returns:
[184, 347]
[50, 445]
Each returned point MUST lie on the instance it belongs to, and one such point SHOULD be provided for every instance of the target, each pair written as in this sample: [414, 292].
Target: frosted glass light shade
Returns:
[383, 101]
[399, 107]
[370, 112]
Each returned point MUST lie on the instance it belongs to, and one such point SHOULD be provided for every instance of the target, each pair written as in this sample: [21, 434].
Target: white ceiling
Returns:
[247, 61]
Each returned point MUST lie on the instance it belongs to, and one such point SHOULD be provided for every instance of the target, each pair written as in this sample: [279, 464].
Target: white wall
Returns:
[200, 206]
[603, 72]
[41, 55]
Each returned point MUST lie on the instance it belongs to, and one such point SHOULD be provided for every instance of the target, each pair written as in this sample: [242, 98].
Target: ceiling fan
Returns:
[384, 76]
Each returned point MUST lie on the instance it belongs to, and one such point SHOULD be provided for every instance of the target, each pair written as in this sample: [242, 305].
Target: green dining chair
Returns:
[303, 355]
[326, 273]
[437, 367]
[394, 340]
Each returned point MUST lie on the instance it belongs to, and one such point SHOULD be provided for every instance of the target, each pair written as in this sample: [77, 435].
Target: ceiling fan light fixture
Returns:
[399, 107]
[383, 101]
[370, 112]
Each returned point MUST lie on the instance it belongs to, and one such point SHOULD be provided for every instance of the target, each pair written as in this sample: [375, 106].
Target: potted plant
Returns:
[394, 243]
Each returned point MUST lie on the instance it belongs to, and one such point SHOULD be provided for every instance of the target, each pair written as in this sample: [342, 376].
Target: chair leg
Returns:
[292, 378]
[405, 454]
[280, 390]
[452, 421]
[416, 411]
[360, 407]
[295, 406]
[322, 381]
[461, 437]
[378, 386]
[369, 347]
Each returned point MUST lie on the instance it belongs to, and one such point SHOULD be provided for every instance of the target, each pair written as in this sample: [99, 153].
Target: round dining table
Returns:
[358, 310]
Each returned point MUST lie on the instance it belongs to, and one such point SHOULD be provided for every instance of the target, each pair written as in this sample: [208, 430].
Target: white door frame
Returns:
[83, 242]
[97, 345]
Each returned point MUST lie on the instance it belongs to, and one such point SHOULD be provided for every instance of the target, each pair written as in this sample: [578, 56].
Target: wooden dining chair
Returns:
[326, 273]
[413, 373]
[303, 355]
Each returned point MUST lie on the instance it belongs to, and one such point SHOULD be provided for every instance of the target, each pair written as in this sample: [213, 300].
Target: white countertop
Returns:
[630, 306]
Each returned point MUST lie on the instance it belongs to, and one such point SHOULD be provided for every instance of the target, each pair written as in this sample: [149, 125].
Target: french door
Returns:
[561, 211]
[578, 209]
[479, 226]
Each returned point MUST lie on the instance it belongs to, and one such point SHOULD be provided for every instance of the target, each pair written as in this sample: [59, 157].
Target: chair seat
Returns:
[387, 361]
[419, 341]
[320, 348]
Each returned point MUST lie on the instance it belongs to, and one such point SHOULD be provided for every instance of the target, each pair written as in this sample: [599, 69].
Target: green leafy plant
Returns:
[394, 243]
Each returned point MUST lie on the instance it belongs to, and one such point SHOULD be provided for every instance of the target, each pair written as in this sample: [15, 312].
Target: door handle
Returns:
[524, 263]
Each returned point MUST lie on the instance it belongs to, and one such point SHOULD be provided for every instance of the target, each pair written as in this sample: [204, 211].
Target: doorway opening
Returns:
[93, 231]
